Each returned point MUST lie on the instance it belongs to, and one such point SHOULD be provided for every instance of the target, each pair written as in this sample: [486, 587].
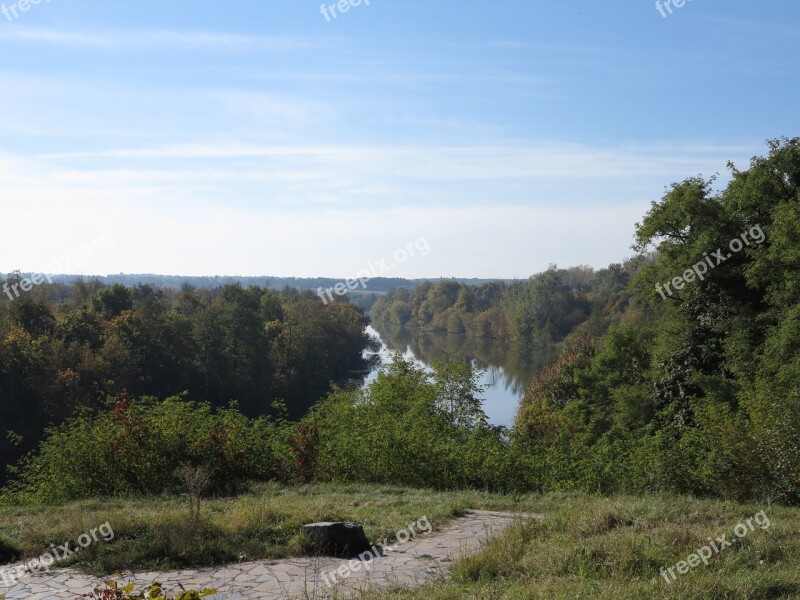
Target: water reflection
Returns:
[507, 368]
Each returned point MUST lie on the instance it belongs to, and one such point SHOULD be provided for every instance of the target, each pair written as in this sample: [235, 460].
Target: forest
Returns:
[543, 310]
[70, 349]
[698, 392]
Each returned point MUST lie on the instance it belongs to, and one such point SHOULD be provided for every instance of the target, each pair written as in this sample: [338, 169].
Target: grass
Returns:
[163, 533]
[593, 547]
[587, 547]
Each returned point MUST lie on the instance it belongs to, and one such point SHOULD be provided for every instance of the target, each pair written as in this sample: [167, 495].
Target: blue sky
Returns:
[259, 138]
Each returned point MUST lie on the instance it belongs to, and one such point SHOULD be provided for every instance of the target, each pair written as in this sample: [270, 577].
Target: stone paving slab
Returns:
[418, 561]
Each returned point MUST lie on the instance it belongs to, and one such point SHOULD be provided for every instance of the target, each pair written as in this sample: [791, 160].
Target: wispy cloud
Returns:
[510, 160]
[188, 40]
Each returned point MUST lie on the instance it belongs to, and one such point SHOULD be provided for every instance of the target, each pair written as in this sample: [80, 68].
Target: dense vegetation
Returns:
[687, 381]
[151, 447]
[544, 309]
[408, 427]
[65, 349]
[696, 391]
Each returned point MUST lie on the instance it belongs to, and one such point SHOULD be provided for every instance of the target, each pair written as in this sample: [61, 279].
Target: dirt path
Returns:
[415, 562]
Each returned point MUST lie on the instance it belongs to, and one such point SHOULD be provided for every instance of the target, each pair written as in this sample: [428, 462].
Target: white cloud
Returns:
[197, 40]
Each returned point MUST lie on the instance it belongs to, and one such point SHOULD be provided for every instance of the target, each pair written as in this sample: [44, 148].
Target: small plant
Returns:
[196, 481]
[113, 591]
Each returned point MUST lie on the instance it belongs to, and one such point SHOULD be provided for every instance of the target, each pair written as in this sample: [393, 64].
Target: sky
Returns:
[267, 137]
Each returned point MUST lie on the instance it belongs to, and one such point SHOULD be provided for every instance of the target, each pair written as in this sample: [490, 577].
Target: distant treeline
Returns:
[545, 309]
[378, 284]
[68, 348]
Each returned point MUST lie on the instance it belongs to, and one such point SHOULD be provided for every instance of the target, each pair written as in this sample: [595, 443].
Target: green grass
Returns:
[591, 547]
[587, 547]
[161, 533]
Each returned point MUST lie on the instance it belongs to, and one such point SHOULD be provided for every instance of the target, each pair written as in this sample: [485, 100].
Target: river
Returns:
[505, 371]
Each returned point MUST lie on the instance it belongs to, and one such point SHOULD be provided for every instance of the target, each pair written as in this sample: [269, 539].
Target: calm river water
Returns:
[505, 371]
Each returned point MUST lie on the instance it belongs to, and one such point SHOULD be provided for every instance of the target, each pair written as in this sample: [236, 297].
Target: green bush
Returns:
[410, 427]
[143, 446]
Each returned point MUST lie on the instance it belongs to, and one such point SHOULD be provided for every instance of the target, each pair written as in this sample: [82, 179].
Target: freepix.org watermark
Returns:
[13, 11]
[699, 270]
[61, 265]
[423, 526]
[714, 547]
[665, 8]
[418, 247]
[329, 11]
[13, 574]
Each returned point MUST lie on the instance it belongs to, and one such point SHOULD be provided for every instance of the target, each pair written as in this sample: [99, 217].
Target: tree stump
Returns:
[342, 540]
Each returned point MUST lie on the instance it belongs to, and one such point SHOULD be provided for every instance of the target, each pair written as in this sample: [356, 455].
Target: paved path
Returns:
[420, 560]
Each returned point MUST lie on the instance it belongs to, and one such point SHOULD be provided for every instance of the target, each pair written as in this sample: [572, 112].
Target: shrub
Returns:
[410, 427]
[146, 447]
